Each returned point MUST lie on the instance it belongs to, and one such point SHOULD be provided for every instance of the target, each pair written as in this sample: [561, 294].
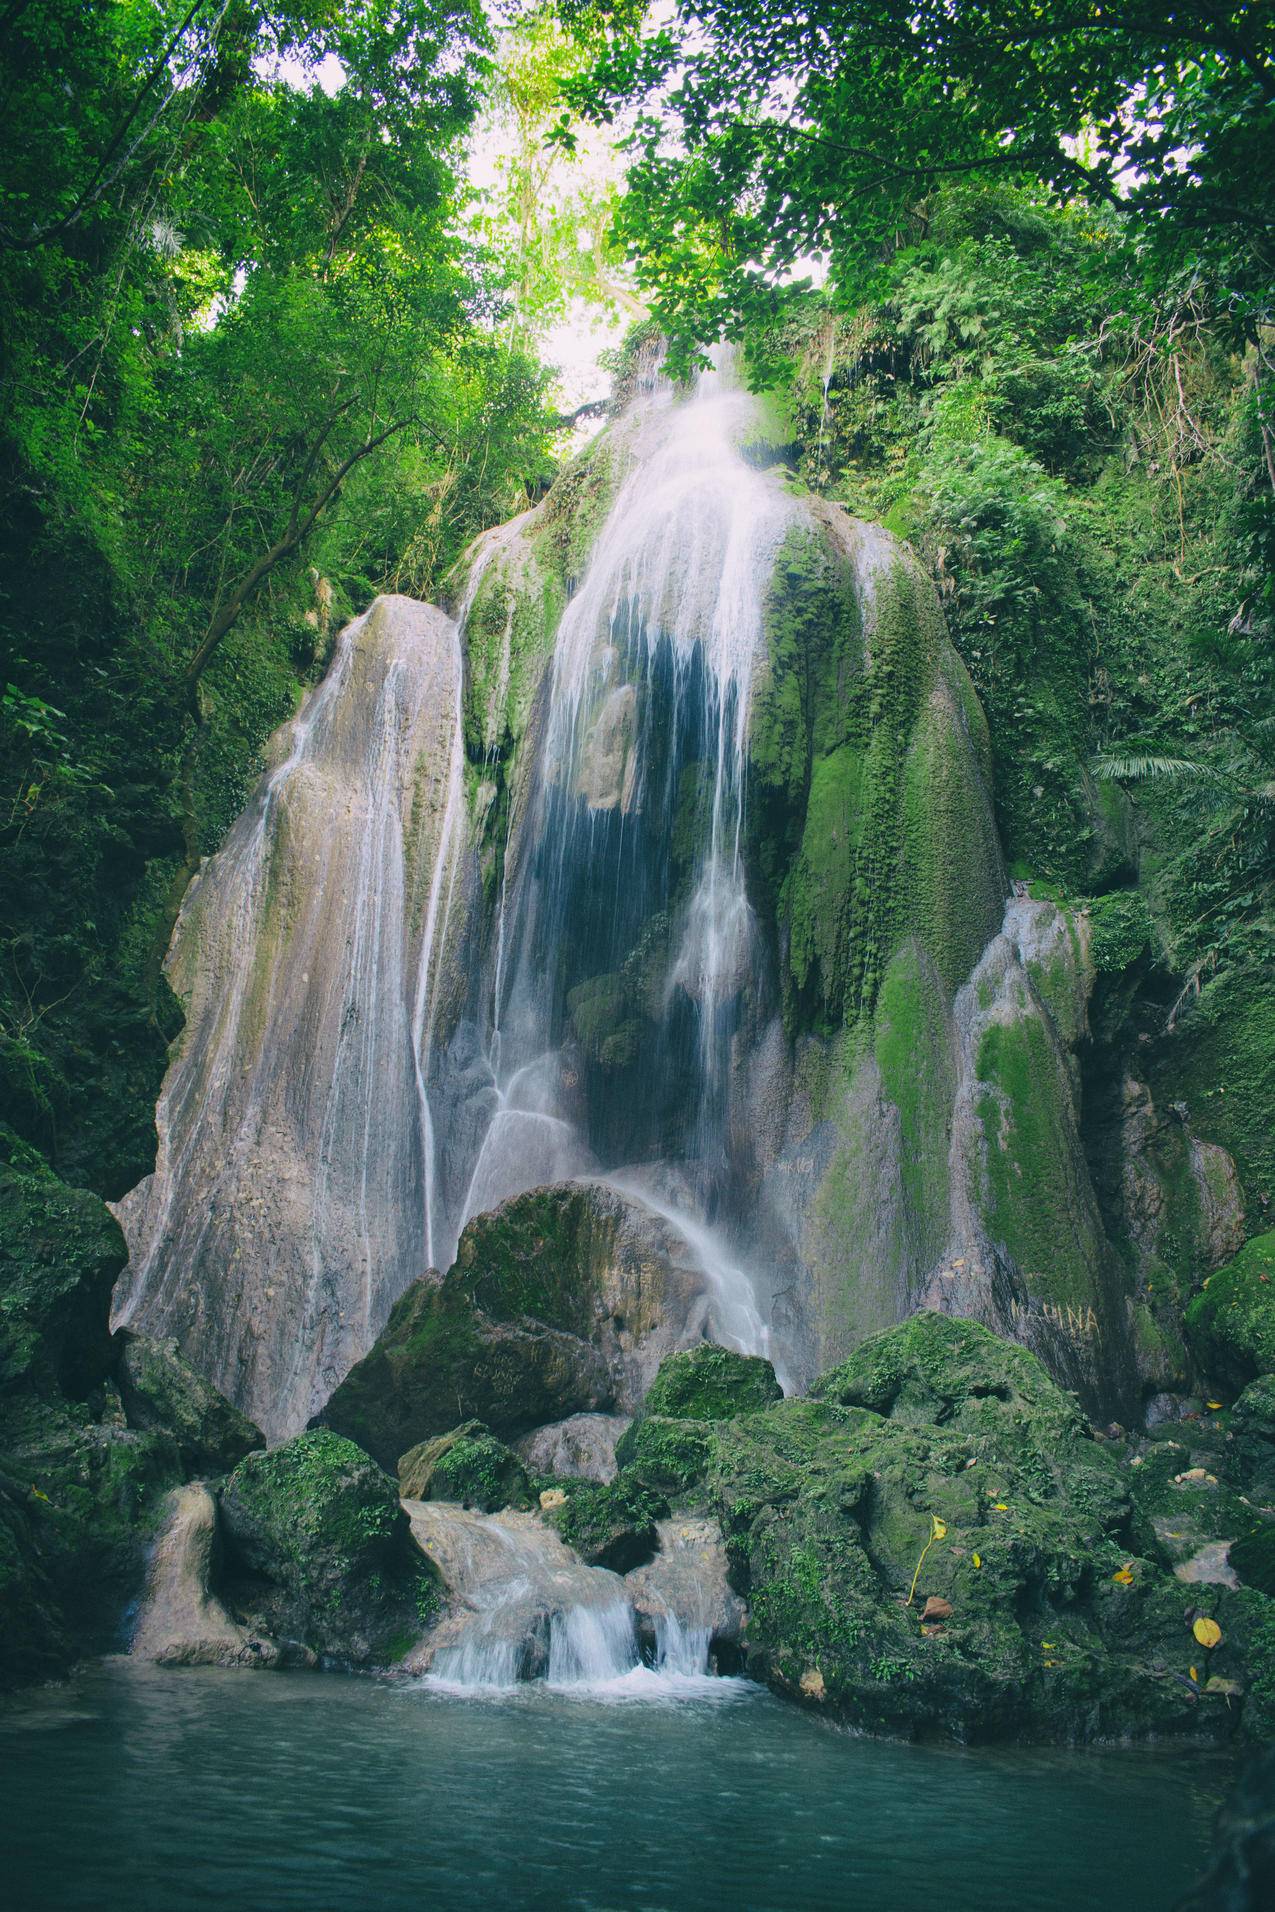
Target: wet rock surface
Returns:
[560, 1302]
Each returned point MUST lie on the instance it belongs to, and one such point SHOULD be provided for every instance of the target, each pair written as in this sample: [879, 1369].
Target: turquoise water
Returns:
[147, 1789]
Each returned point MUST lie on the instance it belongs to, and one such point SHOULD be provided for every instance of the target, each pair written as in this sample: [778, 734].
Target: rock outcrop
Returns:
[560, 1302]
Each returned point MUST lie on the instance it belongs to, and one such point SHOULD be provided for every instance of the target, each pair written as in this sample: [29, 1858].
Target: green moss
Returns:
[533, 1257]
[1230, 1325]
[320, 1525]
[60, 1253]
[610, 1524]
[1220, 1061]
[914, 1054]
[667, 1456]
[708, 1383]
[1120, 930]
[468, 1465]
[1037, 1204]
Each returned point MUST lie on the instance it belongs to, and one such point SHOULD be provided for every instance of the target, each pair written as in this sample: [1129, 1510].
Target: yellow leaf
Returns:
[999, 1507]
[1051, 1662]
[1051, 1644]
[940, 1527]
[978, 1560]
[1213, 1405]
[1194, 1675]
[1124, 1577]
[1207, 1632]
[40, 1495]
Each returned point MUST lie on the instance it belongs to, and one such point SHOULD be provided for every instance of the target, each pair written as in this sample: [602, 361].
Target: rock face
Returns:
[688, 1583]
[560, 1302]
[319, 1551]
[940, 1468]
[1242, 1875]
[161, 1390]
[290, 1202]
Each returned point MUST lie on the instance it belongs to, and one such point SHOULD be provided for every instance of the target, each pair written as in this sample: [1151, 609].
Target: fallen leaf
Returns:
[1124, 1577]
[999, 1507]
[1051, 1662]
[940, 1527]
[978, 1560]
[1050, 1644]
[1214, 1405]
[1194, 1674]
[1207, 1632]
[937, 1608]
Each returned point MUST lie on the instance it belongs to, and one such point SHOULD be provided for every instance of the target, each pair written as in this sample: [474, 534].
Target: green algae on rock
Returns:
[320, 1551]
[1230, 1324]
[468, 1465]
[709, 1383]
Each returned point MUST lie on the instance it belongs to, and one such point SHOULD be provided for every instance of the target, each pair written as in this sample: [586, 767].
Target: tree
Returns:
[768, 136]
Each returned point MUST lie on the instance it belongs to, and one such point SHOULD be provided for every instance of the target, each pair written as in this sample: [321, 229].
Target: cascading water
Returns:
[623, 915]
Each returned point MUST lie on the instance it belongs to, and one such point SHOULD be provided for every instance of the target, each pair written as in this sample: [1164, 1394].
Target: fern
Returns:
[1133, 767]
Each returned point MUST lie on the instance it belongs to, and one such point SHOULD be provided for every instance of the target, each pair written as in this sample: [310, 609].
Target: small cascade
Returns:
[592, 1645]
[525, 1609]
[681, 1648]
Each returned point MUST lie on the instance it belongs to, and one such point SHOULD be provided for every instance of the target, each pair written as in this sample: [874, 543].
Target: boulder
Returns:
[438, 1355]
[581, 1447]
[60, 1253]
[561, 1301]
[161, 1390]
[708, 1383]
[609, 1524]
[688, 1584]
[320, 1551]
[468, 1466]
[941, 1469]
[1230, 1324]
[1252, 1446]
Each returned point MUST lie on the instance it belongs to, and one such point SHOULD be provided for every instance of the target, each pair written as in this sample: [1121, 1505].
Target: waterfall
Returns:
[624, 919]
[292, 1198]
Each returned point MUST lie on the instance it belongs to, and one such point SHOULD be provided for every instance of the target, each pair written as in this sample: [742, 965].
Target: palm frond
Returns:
[1120, 766]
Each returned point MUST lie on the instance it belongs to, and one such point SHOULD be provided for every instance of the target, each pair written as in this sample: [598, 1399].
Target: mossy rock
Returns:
[34, 1641]
[162, 1392]
[669, 1456]
[61, 1251]
[468, 1465]
[439, 1354]
[1252, 1444]
[1253, 1557]
[1230, 1325]
[709, 1383]
[941, 1465]
[321, 1551]
[610, 1524]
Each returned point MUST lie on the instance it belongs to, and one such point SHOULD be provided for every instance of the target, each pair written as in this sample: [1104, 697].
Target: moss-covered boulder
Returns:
[61, 1251]
[439, 1354]
[320, 1551]
[162, 1391]
[1252, 1443]
[937, 1544]
[709, 1383]
[560, 1301]
[612, 1523]
[1230, 1324]
[670, 1456]
[468, 1465]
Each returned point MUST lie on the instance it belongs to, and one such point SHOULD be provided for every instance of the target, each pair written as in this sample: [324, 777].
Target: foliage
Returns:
[253, 372]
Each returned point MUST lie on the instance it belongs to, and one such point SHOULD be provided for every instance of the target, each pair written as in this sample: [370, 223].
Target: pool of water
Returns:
[139, 1789]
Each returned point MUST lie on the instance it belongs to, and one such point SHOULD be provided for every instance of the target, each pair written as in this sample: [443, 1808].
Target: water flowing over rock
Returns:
[291, 1198]
[182, 1622]
[670, 866]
